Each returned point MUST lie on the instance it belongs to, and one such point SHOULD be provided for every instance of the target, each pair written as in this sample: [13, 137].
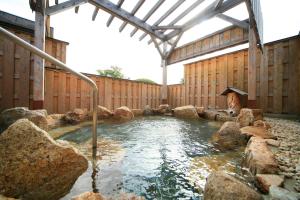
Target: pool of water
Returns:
[154, 157]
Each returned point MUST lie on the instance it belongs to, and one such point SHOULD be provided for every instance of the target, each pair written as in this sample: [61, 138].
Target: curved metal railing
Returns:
[53, 60]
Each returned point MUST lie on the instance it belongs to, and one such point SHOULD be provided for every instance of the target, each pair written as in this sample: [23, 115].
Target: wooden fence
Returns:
[16, 66]
[277, 80]
[64, 92]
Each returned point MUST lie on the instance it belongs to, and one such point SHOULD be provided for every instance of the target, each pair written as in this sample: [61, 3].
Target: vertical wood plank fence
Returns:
[277, 80]
[64, 92]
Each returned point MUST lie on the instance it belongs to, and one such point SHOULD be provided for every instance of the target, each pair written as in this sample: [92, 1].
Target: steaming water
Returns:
[154, 157]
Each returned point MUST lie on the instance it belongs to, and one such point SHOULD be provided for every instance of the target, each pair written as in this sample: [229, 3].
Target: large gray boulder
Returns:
[34, 166]
[9, 116]
[189, 112]
[229, 137]
[221, 186]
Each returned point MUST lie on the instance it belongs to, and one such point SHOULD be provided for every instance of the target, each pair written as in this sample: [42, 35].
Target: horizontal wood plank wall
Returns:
[16, 65]
[64, 92]
[228, 37]
[277, 80]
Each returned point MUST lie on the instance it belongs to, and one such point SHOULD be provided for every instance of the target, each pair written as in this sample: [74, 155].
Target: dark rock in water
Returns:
[229, 137]
[9, 116]
[188, 112]
[123, 114]
[221, 186]
[34, 166]
[148, 110]
[278, 193]
[76, 116]
[259, 158]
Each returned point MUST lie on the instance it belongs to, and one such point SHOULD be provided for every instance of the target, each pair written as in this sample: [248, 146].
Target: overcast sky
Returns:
[94, 46]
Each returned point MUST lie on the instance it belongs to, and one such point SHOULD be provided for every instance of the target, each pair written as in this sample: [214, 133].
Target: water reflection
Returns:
[154, 157]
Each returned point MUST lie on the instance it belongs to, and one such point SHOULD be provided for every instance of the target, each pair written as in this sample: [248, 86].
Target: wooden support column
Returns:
[252, 69]
[38, 65]
[164, 95]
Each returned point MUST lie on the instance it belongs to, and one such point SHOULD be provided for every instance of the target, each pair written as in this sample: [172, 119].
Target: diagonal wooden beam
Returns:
[149, 14]
[126, 16]
[134, 10]
[162, 18]
[234, 21]
[95, 13]
[206, 14]
[183, 14]
[119, 4]
[218, 4]
[64, 6]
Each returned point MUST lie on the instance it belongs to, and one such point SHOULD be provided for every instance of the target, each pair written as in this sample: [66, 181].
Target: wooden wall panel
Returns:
[16, 65]
[277, 78]
[65, 92]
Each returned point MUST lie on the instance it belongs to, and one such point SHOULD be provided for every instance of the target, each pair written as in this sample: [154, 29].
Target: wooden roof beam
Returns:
[134, 10]
[234, 21]
[162, 18]
[126, 16]
[206, 14]
[182, 15]
[64, 6]
[218, 4]
[119, 4]
[149, 14]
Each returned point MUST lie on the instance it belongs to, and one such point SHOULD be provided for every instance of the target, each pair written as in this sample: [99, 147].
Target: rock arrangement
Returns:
[270, 170]
[272, 152]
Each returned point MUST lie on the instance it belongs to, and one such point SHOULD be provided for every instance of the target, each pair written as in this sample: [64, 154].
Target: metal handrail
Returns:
[53, 60]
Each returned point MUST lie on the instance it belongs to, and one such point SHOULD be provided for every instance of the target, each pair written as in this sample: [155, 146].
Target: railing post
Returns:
[164, 95]
[38, 63]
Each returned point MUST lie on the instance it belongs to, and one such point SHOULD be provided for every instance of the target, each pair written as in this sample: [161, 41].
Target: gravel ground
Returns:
[288, 153]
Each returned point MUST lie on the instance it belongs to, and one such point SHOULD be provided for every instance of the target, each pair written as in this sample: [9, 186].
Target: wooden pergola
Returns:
[164, 37]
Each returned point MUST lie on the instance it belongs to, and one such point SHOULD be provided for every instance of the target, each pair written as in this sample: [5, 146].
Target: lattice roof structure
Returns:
[171, 33]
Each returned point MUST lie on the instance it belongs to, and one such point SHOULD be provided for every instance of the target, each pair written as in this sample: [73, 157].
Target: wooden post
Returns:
[164, 95]
[252, 69]
[38, 65]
